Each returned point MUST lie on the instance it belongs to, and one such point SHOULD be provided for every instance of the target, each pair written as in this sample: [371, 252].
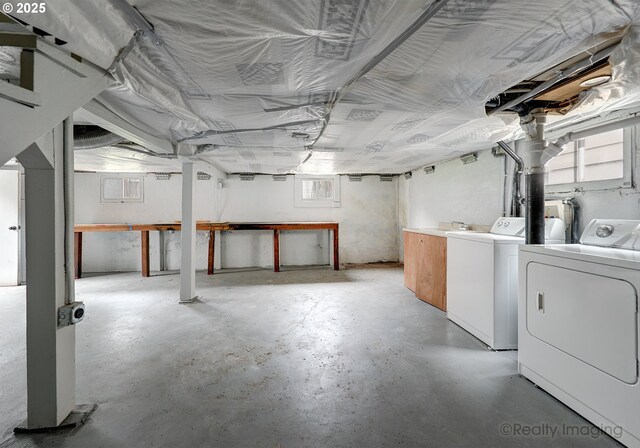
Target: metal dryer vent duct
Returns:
[95, 139]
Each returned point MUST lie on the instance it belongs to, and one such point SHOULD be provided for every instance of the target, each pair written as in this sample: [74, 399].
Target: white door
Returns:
[590, 317]
[9, 234]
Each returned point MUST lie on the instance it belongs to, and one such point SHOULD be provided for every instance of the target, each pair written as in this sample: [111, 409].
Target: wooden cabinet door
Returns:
[431, 277]
[410, 259]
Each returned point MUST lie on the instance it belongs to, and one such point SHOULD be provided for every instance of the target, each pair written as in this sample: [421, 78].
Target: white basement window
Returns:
[596, 162]
[317, 191]
[121, 189]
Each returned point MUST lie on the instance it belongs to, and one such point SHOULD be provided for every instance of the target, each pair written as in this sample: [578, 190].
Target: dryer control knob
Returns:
[604, 231]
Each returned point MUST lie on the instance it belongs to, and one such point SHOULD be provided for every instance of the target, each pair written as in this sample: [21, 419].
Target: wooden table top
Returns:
[207, 225]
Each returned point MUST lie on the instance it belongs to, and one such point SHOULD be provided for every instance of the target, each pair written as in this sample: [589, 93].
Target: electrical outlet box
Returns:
[70, 314]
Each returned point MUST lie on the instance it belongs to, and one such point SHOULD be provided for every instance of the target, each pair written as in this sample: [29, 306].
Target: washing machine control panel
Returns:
[509, 226]
[619, 233]
[553, 228]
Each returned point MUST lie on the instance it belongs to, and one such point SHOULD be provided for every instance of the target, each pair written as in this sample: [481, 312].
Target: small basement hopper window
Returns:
[121, 189]
[595, 158]
[317, 191]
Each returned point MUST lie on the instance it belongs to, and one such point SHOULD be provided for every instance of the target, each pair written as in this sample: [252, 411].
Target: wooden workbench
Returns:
[207, 226]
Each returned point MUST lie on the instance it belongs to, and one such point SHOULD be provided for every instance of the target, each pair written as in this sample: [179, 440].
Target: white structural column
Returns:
[50, 350]
[188, 234]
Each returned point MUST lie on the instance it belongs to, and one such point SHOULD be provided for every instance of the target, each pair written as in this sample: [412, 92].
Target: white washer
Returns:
[482, 279]
[579, 324]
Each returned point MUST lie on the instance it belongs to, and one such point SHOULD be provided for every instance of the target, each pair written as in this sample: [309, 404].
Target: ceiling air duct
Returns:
[94, 138]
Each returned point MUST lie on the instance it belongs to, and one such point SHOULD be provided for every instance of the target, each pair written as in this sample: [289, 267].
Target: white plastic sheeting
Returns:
[245, 75]
[120, 160]
[109, 159]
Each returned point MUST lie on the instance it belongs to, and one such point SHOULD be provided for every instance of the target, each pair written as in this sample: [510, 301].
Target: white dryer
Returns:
[482, 279]
[578, 324]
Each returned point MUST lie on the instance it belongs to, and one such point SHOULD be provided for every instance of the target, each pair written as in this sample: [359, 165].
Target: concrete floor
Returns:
[304, 358]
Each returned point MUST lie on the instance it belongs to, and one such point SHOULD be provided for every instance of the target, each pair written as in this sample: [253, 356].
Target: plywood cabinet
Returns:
[411, 242]
[425, 267]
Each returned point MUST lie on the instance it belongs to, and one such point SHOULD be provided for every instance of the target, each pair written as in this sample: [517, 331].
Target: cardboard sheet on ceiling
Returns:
[246, 75]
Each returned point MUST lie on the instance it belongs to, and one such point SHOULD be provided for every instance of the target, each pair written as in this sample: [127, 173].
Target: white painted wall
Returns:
[121, 251]
[367, 217]
[469, 193]
[473, 194]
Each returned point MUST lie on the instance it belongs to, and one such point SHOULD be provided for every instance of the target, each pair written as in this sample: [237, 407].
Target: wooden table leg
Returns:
[78, 253]
[145, 253]
[336, 255]
[276, 251]
[212, 248]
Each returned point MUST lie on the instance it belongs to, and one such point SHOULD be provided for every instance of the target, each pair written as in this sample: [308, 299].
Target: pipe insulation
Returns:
[69, 218]
[95, 139]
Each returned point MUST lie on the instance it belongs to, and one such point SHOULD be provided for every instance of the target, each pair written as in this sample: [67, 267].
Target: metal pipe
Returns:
[534, 143]
[555, 148]
[534, 216]
[564, 74]
[516, 158]
[571, 136]
[517, 195]
[575, 225]
[69, 218]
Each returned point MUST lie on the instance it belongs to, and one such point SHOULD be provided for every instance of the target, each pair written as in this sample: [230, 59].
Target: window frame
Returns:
[334, 202]
[629, 147]
[139, 200]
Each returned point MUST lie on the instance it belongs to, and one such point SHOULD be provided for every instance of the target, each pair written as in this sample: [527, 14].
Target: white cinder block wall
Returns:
[368, 223]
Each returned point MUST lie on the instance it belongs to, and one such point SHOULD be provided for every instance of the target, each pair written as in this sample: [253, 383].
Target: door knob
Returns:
[14, 227]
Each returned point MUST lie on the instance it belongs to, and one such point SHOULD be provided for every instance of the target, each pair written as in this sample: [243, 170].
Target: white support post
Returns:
[50, 350]
[188, 234]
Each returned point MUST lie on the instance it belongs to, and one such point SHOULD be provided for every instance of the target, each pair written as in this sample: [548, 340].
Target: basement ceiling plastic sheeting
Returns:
[243, 76]
[109, 159]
